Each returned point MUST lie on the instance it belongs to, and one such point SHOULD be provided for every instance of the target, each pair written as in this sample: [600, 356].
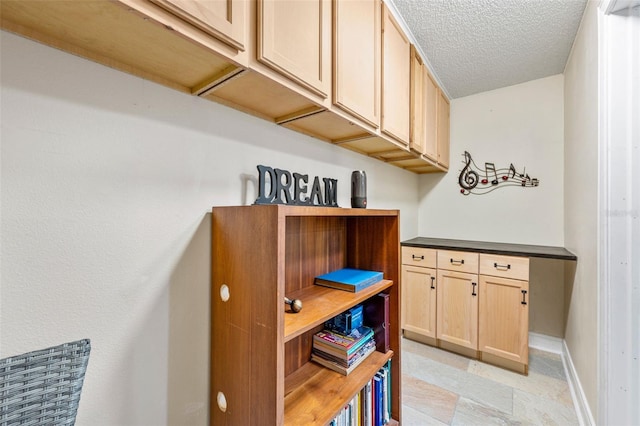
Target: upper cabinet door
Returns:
[395, 79]
[418, 103]
[224, 19]
[356, 54]
[294, 38]
[431, 113]
[443, 130]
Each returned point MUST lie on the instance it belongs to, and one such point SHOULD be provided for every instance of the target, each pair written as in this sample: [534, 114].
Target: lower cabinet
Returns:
[419, 301]
[474, 304]
[458, 308]
[503, 322]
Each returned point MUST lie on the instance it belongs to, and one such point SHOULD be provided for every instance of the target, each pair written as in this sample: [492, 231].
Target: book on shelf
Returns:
[378, 400]
[339, 366]
[347, 321]
[337, 343]
[376, 315]
[349, 279]
[372, 405]
[344, 359]
[367, 406]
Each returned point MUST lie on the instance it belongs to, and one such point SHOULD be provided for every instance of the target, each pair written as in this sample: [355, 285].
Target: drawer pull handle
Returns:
[458, 262]
[502, 267]
[433, 279]
[473, 291]
[417, 257]
[524, 295]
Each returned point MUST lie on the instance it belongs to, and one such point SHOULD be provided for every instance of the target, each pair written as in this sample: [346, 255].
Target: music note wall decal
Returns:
[470, 182]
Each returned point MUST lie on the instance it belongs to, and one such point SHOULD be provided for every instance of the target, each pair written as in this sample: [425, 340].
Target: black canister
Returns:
[359, 189]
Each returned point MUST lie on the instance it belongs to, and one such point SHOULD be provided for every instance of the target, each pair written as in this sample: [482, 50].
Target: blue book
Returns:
[378, 416]
[347, 321]
[349, 279]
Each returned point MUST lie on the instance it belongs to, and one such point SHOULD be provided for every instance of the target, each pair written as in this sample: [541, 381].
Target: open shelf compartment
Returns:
[315, 394]
[323, 303]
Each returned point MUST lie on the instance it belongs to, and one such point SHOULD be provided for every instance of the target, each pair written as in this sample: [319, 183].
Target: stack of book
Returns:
[372, 405]
[342, 352]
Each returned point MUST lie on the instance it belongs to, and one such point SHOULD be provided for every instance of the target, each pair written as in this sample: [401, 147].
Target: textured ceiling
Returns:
[477, 45]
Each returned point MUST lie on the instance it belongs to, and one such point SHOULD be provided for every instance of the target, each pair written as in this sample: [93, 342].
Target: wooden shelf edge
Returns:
[315, 394]
[322, 303]
[318, 211]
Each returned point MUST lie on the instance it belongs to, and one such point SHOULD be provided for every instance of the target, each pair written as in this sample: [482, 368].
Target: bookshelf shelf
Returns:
[323, 303]
[314, 394]
[260, 352]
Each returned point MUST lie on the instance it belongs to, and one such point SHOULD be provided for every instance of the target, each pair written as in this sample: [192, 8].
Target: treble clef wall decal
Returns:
[468, 178]
[493, 178]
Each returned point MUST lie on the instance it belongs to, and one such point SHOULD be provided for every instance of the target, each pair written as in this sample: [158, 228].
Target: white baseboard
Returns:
[585, 417]
[546, 343]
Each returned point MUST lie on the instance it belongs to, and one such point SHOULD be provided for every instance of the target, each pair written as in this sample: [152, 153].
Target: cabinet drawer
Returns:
[505, 266]
[458, 261]
[417, 256]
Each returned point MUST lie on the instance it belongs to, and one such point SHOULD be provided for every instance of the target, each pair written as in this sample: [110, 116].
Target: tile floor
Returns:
[442, 388]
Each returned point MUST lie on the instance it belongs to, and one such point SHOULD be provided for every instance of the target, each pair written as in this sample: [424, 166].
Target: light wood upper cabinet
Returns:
[443, 130]
[274, 59]
[294, 38]
[418, 103]
[356, 58]
[431, 112]
[395, 79]
[224, 19]
[424, 109]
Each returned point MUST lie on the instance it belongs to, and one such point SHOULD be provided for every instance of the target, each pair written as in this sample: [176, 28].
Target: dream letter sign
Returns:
[284, 187]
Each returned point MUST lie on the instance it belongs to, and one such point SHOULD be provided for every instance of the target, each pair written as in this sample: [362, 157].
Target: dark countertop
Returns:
[548, 252]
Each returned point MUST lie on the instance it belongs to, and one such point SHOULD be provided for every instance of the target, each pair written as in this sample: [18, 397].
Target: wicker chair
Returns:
[43, 387]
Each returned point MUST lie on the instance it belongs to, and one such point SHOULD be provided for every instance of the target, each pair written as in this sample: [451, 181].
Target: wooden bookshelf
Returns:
[260, 351]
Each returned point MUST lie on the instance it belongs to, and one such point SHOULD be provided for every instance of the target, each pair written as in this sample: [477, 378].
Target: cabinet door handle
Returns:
[502, 267]
[524, 296]
[433, 279]
[473, 291]
[417, 257]
[458, 262]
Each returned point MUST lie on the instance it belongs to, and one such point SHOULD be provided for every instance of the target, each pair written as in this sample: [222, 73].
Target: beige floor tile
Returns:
[536, 410]
[439, 355]
[483, 390]
[413, 417]
[488, 392]
[534, 383]
[546, 363]
[469, 413]
[428, 399]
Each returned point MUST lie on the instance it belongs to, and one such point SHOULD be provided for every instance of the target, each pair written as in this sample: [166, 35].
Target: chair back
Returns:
[43, 387]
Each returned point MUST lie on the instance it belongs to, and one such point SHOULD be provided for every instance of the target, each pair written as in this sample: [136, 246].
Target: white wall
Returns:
[581, 203]
[106, 185]
[520, 124]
